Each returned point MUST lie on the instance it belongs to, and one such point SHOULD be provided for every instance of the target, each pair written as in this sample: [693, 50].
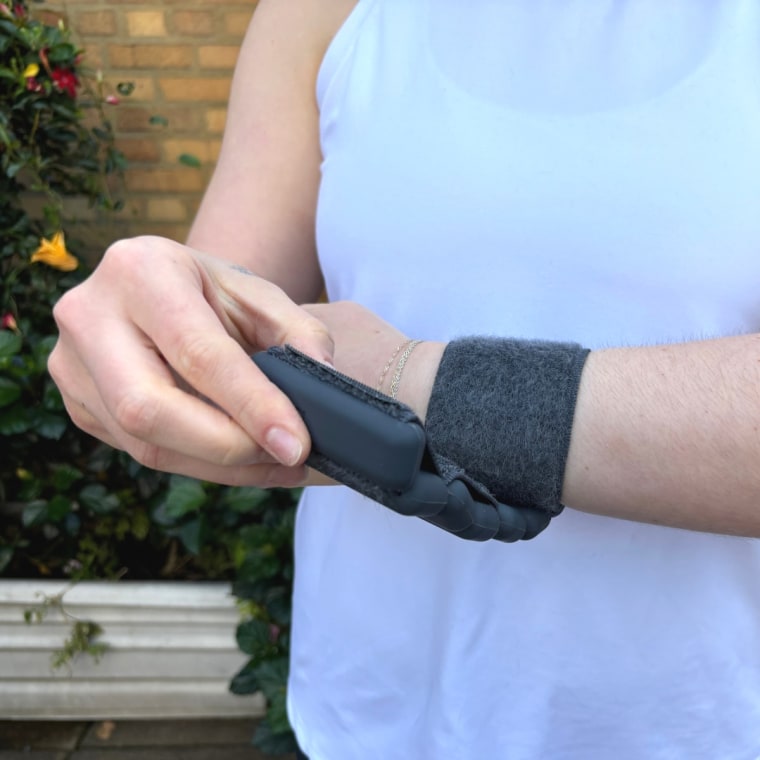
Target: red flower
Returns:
[33, 85]
[66, 81]
[9, 322]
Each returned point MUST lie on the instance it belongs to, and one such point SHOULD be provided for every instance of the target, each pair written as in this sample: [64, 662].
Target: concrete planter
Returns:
[171, 652]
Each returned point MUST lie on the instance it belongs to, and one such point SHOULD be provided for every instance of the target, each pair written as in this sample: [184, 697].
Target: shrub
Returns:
[56, 146]
[71, 506]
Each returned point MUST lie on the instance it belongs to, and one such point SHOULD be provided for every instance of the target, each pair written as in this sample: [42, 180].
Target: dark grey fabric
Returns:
[442, 493]
[503, 411]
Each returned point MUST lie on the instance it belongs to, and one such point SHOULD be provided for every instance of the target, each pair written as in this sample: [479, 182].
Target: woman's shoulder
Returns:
[311, 24]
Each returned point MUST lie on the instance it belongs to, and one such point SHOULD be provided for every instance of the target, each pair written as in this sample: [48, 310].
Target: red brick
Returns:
[144, 150]
[146, 23]
[51, 17]
[138, 119]
[218, 56]
[196, 89]
[164, 180]
[99, 23]
[150, 56]
[170, 209]
[193, 23]
[215, 119]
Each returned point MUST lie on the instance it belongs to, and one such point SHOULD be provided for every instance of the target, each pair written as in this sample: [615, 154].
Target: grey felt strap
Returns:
[440, 492]
[503, 411]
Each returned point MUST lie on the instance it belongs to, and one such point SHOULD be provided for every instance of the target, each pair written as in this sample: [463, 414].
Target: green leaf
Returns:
[273, 677]
[185, 496]
[52, 401]
[277, 712]
[245, 681]
[10, 391]
[278, 604]
[49, 425]
[140, 525]
[72, 524]
[41, 351]
[247, 499]
[34, 513]
[97, 499]
[15, 420]
[6, 555]
[14, 168]
[190, 534]
[259, 565]
[251, 588]
[188, 159]
[116, 161]
[271, 743]
[253, 636]
[159, 120]
[125, 88]
[65, 475]
[58, 508]
[10, 343]
[62, 53]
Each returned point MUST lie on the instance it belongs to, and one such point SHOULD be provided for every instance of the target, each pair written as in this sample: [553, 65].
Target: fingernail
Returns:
[283, 446]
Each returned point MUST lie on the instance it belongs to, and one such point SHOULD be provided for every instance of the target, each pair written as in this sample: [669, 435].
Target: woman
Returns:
[583, 172]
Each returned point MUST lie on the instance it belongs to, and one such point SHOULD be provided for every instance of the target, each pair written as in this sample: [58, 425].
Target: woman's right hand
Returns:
[153, 358]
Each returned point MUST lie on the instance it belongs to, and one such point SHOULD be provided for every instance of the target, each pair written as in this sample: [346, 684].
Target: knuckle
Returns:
[196, 357]
[131, 260]
[121, 255]
[235, 456]
[66, 309]
[256, 411]
[55, 364]
[137, 413]
[309, 330]
[147, 455]
[91, 426]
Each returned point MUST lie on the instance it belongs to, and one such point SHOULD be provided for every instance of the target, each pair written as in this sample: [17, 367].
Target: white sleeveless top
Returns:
[586, 170]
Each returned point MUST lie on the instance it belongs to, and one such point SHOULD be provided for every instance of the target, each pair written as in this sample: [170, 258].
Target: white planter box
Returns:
[171, 652]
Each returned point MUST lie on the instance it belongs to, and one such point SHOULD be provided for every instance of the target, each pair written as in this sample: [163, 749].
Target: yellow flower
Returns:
[54, 254]
[31, 71]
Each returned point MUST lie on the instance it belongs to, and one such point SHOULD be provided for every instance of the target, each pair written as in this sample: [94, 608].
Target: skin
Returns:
[153, 354]
[666, 434]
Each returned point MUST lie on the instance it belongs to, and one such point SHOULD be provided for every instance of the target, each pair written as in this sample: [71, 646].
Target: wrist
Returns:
[416, 383]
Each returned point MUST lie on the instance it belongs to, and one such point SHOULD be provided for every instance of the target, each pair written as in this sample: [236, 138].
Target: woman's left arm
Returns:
[664, 434]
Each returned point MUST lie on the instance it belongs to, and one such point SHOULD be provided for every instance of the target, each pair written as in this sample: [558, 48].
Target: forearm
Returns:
[664, 434]
[670, 435]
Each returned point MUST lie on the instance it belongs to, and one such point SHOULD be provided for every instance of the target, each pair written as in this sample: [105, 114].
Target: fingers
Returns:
[199, 348]
[153, 311]
[265, 472]
[258, 313]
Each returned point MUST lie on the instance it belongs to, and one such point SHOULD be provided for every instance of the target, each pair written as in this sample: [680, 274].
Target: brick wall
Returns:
[180, 56]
